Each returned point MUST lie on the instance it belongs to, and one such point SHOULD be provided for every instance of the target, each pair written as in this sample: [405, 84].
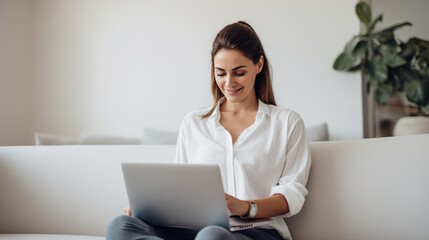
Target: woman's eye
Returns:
[239, 74]
[220, 74]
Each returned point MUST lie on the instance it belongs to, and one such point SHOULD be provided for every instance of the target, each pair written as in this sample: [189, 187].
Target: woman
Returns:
[262, 149]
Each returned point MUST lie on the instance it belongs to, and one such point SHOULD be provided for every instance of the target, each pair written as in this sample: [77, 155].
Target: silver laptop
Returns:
[180, 195]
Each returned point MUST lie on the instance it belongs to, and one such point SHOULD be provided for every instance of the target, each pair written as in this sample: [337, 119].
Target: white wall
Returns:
[396, 11]
[113, 67]
[15, 71]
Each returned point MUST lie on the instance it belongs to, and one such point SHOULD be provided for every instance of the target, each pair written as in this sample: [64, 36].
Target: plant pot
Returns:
[411, 125]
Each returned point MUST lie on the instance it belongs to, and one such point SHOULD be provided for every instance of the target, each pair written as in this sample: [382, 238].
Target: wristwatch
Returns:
[253, 209]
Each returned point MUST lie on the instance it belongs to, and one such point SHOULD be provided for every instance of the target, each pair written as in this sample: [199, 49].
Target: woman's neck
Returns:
[248, 105]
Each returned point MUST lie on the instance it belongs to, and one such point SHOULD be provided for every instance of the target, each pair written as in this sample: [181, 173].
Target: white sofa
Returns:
[359, 189]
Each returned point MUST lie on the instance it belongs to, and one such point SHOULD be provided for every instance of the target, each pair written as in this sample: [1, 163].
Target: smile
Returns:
[233, 92]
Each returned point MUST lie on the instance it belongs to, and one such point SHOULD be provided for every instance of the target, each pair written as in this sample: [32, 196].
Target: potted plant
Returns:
[388, 64]
[414, 75]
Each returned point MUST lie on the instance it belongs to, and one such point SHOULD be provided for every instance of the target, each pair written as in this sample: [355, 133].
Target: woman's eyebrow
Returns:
[242, 66]
[238, 67]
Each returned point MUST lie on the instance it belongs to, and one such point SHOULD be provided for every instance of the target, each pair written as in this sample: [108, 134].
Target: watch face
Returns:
[253, 209]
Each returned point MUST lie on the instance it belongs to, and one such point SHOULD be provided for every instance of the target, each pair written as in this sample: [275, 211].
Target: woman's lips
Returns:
[233, 92]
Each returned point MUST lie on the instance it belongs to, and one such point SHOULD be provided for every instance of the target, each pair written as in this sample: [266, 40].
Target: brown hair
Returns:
[241, 36]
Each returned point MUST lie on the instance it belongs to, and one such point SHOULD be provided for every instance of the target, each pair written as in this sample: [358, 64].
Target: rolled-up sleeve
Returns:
[296, 168]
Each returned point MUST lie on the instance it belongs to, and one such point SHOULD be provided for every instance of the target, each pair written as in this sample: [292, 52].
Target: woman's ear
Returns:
[260, 64]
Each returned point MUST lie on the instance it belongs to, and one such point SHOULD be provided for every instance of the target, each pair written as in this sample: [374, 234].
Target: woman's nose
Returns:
[229, 81]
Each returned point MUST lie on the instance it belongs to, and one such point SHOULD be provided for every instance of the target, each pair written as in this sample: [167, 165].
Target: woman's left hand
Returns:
[236, 206]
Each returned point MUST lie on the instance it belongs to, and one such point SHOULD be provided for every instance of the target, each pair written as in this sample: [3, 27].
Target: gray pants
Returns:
[131, 228]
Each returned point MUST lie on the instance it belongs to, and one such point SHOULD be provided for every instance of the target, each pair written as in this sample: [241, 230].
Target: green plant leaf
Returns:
[406, 75]
[384, 36]
[397, 81]
[344, 62]
[375, 73]
[360, 49]
[351, 45]
[388, 51]
[423, 49]
[416, 91]
[407, 50]
[378, 70]
[420, 44]
[421, 53]
[346, 59]
[355, 68]
[383, 93]
[387, 34]
[397, 61]
[393, 27]
[424, 72]
[363, 11]
[372, 26]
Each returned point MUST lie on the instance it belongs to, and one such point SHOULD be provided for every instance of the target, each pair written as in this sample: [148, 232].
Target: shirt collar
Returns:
[263, 109]
[215, 116]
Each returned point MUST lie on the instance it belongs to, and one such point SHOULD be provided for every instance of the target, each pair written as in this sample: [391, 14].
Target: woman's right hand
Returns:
[128, 210]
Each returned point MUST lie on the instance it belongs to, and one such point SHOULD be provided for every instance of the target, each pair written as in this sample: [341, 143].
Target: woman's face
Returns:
[235, 74]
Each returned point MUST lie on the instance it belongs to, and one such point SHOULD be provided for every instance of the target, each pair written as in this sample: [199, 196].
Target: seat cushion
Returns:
[47, 237]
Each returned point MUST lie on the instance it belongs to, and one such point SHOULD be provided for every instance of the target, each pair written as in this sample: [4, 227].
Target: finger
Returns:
[127, 210]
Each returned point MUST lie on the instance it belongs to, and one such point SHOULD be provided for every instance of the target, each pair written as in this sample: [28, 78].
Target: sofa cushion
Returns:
[98, 139]
[84, 139]
[159, 137]
[46, 237]
[318, 132]
[51, 139]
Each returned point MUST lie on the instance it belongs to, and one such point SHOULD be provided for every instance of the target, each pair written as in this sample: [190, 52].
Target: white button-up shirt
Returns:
[272, 156]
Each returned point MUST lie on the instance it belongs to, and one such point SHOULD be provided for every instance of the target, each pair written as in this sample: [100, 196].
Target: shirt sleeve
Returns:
[296, 168]
[181, 153]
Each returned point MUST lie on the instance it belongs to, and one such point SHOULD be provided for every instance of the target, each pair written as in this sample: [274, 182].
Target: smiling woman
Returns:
[244, 57]
[236, 83]
[261, 149]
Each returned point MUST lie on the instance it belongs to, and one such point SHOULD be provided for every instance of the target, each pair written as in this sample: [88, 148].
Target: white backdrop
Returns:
[397, 11]
[15, 72]
[112, 67]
